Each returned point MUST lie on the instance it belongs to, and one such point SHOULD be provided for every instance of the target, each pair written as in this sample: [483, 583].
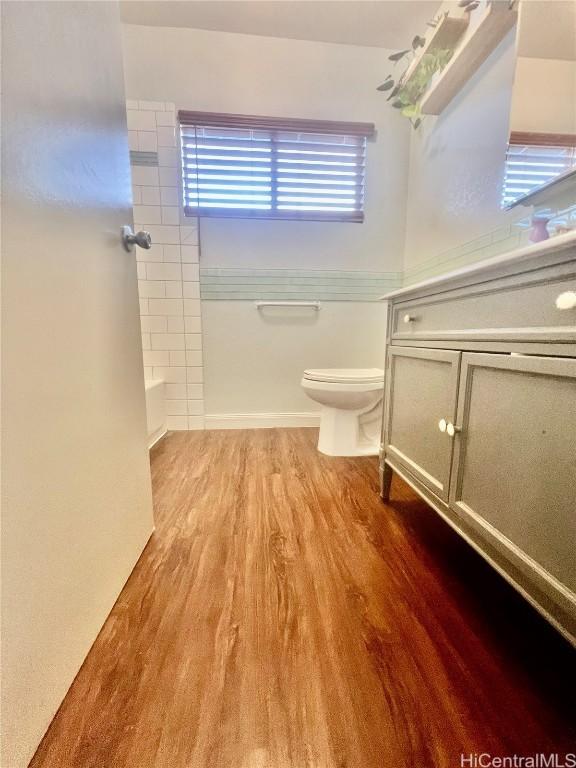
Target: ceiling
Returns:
[374, 23]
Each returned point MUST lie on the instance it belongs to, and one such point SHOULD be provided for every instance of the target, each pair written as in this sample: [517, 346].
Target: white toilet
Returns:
[351, 415]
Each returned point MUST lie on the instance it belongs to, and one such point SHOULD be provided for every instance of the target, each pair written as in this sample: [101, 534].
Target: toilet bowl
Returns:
[351, 414]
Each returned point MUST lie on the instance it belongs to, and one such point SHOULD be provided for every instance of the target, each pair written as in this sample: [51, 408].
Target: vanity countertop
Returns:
[542, 253]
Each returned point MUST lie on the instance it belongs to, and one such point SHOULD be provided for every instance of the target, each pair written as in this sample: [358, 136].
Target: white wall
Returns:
[457, 163]
[221, 72]
[544, 99]
[244, 346]
[213, 71]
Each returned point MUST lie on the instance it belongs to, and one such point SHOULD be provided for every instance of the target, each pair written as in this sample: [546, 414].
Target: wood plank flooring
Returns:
[283, 617]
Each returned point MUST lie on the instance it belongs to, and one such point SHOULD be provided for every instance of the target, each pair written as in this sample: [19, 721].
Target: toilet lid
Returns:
[345, 375]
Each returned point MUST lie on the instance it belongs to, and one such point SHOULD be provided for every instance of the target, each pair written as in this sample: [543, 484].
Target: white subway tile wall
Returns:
[168, 275]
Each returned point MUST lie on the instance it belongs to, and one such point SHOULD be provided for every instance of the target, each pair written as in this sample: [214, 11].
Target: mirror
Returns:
[542, 145]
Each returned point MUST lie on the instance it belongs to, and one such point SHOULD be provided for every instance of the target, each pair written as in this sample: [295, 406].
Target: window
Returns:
[272, 168]
[534, 159]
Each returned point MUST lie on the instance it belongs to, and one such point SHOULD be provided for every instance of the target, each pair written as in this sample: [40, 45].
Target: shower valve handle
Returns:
[129, 239]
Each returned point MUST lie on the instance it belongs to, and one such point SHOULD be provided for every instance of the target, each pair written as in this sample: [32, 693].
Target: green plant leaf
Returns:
[406, 94]
[410, 110]
[398, 56]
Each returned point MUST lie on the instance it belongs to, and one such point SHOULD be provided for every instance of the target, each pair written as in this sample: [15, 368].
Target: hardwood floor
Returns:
[283, 617]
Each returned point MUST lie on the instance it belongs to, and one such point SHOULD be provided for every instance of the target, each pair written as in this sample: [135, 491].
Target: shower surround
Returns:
[168, 274]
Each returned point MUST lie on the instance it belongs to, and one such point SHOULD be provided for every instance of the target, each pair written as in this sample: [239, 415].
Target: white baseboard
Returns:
[155, 437]
[260, 420]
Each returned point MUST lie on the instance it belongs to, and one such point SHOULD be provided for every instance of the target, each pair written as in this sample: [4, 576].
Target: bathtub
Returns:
[155, 410]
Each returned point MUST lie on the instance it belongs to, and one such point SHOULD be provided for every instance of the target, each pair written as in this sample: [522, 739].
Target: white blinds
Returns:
[530, 166]
[263, 173]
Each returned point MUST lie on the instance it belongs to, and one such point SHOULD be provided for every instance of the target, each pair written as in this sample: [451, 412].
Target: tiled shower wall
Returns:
[168, 273]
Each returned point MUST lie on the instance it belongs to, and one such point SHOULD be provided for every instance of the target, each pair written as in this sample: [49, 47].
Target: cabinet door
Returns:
[514, 473]
[422, 390]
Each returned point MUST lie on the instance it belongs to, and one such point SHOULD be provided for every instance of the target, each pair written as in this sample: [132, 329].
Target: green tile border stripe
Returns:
[228, 284]
[143, 158]
[334, 273]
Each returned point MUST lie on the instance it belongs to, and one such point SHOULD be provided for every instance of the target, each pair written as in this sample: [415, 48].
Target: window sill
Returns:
[354, 217]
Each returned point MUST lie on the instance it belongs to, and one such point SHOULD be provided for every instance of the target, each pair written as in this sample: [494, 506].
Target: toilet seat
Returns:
[340, 386]
[345, 375]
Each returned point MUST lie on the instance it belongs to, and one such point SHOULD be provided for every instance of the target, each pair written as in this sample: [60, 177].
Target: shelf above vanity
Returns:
[449, 30]
[479, 40]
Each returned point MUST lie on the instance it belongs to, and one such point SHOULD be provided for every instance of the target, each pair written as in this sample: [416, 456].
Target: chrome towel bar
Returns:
[310, 304]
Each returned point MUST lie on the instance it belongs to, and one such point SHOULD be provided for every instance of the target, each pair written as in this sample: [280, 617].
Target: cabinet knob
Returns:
[442, 425]
[409, 318]
[566, 300]
[451, 429]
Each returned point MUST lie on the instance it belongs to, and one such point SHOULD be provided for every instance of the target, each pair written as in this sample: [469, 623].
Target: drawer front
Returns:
[492, 312]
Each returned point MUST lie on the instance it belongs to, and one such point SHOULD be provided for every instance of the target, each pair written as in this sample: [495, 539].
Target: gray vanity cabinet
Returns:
[482, 422]
[423, 387]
